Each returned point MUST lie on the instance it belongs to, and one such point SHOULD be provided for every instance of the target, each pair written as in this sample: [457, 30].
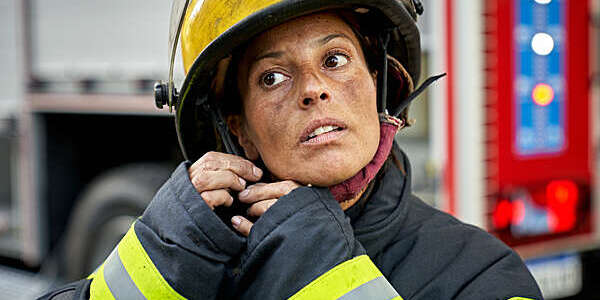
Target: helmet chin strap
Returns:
[217, 118]
[382, 79]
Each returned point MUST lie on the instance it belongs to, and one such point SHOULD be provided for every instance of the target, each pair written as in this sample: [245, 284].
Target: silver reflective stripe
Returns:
[376, 289]
[118, 281]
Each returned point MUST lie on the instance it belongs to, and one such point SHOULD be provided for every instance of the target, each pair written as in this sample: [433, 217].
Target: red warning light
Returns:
[518, 211]
[562, 197]
[542, 94]
[502, 214]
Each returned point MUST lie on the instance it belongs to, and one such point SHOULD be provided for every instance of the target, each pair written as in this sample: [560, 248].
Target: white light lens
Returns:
[543, 1]
[542, 43]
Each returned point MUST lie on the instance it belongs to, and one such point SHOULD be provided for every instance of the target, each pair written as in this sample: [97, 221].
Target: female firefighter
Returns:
[313, 200]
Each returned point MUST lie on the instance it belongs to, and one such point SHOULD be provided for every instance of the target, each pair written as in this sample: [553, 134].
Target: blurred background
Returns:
[507, 141]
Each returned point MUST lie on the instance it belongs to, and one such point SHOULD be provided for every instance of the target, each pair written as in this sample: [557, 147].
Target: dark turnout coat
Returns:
[390, 245]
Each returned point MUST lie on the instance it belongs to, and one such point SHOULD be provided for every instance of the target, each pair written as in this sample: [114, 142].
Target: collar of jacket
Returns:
[382, 210]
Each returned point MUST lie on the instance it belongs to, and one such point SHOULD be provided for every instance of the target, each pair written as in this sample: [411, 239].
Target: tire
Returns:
[104, 213]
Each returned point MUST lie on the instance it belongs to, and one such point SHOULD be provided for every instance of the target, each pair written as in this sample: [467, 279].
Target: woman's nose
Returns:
[313, 90]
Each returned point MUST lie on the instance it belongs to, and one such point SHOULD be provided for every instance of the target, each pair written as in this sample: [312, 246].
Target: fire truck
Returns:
[506, 142]
[514, 130]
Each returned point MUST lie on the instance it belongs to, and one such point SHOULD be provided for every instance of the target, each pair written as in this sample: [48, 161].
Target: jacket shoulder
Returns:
[455, 260]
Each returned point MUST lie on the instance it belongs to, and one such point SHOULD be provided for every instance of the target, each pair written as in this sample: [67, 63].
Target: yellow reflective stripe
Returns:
[98, 288]
[520, 298]
[118, 280]
[142, 271]
[376, 289]
[340, 280]
[95, 273]
[397, 298]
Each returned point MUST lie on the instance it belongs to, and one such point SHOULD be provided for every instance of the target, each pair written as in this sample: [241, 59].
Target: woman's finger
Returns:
[242, 225]
[215, 180]
[217, 161]
[217, 198]
[259, 208]
[274, 190]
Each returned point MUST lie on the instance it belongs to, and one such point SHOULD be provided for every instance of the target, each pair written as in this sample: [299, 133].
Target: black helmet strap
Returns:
[382, 75]
[404, 103]
[382, 80]
[222, 128]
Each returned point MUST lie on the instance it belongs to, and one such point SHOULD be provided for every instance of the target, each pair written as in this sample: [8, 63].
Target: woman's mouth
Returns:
[321, 131]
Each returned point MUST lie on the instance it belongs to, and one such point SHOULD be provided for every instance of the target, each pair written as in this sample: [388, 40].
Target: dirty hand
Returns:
[260, 196]
[215, 174]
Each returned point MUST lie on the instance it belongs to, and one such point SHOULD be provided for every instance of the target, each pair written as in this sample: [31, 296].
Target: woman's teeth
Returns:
[321, 130]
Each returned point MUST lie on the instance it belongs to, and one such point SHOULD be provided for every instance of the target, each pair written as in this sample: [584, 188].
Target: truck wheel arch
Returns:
[104, 211]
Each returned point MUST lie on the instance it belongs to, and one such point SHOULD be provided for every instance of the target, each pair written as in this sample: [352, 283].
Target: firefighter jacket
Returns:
[391, 246]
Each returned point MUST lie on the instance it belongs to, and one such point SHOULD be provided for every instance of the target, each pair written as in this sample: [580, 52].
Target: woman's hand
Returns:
[215, 174]
[261, 196]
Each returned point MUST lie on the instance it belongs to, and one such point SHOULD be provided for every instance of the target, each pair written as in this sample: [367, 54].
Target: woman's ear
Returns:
[235, 124]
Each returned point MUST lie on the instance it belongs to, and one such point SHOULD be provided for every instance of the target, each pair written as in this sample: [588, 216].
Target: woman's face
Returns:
[309, 101]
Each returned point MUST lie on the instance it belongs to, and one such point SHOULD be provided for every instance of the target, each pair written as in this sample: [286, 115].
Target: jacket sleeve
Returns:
[303, 247]
[178, 249]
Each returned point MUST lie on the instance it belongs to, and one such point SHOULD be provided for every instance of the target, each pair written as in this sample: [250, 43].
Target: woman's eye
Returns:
[273, 78]
[335, 61]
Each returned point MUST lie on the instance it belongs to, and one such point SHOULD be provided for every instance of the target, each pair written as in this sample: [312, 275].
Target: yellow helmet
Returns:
[212, 29]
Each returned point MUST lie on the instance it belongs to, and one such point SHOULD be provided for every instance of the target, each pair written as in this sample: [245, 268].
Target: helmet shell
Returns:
[213, 29]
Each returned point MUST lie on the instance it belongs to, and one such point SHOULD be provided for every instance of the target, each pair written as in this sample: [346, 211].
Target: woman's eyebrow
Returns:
[276, 54]
[325, 40]
[319, 42]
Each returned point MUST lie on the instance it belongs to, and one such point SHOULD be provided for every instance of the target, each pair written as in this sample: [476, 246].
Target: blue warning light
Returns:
[539, 72]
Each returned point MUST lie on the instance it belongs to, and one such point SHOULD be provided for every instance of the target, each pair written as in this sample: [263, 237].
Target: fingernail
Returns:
[236, 221]
[257, 172]
[242, 181]
[244, 193]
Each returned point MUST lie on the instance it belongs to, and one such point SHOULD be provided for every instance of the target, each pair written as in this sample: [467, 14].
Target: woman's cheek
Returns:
[362, 96]
[360, 80]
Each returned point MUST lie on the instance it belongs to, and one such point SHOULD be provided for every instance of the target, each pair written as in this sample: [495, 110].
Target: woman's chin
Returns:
[320, 173]
[324, 168]
[327, 175]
